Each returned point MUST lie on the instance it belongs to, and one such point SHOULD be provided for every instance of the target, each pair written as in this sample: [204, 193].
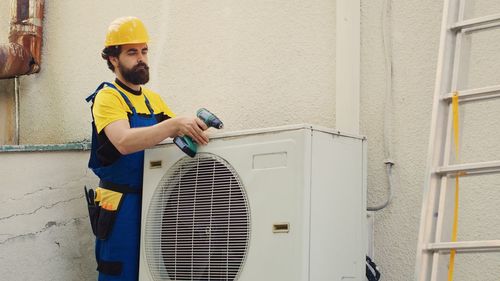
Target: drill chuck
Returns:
[209, 118]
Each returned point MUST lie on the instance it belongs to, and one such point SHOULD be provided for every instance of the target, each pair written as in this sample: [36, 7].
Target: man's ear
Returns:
[114, 61]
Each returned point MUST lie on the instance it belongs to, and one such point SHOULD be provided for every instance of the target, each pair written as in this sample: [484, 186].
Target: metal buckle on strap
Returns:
[113, 268]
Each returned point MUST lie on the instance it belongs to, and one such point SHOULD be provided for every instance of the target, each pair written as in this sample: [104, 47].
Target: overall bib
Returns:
[118, 231]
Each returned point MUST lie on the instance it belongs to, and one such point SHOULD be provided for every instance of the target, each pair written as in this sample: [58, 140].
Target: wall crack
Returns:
[41, 207]
[45, 228]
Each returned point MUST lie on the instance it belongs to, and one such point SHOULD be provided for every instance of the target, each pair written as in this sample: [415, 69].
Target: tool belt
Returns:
[103, 204]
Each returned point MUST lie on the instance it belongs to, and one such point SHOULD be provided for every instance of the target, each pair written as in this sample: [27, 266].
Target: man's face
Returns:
[133, 63]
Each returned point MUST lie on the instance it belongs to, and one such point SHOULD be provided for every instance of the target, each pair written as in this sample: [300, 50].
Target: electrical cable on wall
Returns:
[17, 110]
[388, 106]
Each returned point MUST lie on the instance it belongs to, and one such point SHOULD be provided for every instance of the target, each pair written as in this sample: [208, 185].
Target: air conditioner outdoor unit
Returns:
[278, 204]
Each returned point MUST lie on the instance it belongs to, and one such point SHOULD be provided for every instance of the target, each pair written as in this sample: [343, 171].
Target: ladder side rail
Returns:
[444, 228]
[446, 206]
[446, 202]
[436, 142]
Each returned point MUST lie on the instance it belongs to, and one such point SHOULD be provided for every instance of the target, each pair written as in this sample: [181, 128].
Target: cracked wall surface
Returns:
[44, 227]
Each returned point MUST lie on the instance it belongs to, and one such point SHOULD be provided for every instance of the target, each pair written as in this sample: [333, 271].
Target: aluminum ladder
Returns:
[434, 240]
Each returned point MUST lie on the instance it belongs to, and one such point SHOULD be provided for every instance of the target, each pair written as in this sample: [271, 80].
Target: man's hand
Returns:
[192, 127]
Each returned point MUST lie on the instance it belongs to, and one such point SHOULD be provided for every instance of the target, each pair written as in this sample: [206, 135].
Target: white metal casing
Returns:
[310, 177]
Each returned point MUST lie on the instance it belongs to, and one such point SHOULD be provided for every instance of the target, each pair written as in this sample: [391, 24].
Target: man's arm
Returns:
[129, 140]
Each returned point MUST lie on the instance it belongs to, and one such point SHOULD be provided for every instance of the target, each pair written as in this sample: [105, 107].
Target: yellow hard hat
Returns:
[126, 30]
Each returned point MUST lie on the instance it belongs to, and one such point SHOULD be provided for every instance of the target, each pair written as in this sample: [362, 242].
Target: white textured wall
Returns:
[414, 38]
[257, 64]
[44, 225]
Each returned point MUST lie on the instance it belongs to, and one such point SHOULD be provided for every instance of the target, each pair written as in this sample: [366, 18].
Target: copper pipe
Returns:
[14, 60]
[22, 55]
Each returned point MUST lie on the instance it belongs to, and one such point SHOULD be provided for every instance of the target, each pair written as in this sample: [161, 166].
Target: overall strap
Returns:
[149, 106]
[92, 96]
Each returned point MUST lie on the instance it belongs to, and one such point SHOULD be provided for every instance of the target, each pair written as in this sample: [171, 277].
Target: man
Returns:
[127, 119]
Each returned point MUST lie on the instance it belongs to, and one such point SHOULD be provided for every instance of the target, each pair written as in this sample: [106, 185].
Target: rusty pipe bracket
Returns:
[15, 61]
[22, 55]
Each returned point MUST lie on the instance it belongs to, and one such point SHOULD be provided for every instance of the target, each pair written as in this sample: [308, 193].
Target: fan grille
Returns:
[197, 227]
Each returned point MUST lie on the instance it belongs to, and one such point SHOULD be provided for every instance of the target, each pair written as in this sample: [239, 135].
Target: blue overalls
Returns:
[117, 250]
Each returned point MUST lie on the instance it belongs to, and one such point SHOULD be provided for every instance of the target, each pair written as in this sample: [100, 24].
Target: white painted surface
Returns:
[338, 209]
[348, 65]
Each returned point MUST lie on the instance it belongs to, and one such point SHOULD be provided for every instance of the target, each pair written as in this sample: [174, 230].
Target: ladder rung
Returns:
[464, 246]
[471, 168]
[477, 23]
[476, 94]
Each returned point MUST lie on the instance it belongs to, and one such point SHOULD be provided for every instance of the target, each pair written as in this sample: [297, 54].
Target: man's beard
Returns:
[137, 75]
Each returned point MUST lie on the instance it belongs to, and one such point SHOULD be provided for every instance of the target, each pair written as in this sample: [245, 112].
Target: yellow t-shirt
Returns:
[109, 105]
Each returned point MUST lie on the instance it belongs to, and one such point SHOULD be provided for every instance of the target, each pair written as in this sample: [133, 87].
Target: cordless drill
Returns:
[186, 143]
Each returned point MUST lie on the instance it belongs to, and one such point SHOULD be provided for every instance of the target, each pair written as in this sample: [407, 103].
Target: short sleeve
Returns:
[167, 110]
[108, 107]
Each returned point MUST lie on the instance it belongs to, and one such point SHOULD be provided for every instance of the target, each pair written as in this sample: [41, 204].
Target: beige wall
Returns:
[255, 63]
[265, 63]
[6, 86]
[7, 112]
[415, 35]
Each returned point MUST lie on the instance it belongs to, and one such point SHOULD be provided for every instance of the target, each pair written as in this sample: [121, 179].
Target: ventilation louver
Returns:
[198, 223]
